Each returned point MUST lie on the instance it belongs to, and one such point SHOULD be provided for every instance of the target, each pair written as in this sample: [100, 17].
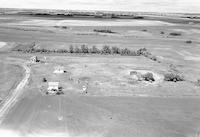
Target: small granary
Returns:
[53, 87]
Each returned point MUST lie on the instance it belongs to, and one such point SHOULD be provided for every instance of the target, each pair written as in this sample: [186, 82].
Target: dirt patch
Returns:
[74, 22]
[188, 56]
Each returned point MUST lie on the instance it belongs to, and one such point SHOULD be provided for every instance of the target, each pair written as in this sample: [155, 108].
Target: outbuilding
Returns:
[59, 70]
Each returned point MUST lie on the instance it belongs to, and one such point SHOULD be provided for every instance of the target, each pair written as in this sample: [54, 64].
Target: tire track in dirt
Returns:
[11, 100]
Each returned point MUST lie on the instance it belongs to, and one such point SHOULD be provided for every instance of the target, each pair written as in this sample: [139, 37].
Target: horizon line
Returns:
[101, 10]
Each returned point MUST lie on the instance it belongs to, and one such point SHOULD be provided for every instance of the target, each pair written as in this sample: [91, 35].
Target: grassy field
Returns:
[115, 105]
[10, 75]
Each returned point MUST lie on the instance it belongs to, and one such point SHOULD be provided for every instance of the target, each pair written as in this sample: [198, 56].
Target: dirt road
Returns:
[10, 100]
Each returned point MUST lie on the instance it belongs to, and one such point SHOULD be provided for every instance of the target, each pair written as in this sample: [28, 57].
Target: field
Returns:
[10, 76]
[114, 104]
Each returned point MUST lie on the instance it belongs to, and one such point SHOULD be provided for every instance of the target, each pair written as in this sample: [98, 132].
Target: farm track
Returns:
[11, 99]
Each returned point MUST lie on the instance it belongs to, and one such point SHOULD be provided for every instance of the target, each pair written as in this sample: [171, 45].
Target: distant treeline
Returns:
[87, 15]
[103, 31]
[83, 49]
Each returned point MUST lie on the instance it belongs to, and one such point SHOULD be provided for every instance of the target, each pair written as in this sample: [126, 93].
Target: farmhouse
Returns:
[53, 87]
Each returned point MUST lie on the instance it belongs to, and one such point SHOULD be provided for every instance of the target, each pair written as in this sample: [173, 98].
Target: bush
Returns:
[44, 80]
[189, 41]
[103, 31]
[61, 51]
[175, 34]
[153, 58]
[148, 77]
[64, 27]
[162, 32]
[198, 82]
[59, 93]
[106, 50]
[143, 51]
[174, 77]
[144, 30]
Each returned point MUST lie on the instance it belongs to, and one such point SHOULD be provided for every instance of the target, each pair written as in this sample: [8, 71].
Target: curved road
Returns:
[9, 102]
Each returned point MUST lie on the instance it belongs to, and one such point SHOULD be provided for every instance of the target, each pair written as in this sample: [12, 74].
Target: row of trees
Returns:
[103, 31]
[91, 50]
[105, 50]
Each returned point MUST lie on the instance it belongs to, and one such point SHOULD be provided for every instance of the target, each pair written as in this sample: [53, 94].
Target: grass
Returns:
[10, 76]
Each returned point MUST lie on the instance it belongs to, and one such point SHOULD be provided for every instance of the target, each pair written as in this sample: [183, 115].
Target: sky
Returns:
[184, 6]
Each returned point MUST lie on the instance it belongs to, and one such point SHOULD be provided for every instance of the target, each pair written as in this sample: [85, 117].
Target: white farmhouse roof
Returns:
[53, 86]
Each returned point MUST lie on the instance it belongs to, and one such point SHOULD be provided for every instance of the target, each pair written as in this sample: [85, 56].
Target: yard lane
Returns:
[10, 100]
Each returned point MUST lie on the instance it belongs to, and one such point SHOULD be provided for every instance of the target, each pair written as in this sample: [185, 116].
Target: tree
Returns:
[143, 52]
[77, 50]
[148, 77]
[125, 52]
[106, 50]
[133, 53]
[44, 80]
[84, 49]
[94, 50]
[115, 50]
[71, 49]
[173, 77]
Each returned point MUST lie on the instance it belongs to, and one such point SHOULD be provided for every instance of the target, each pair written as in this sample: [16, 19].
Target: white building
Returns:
[34, 59]
[59, 70]
[53, 87]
